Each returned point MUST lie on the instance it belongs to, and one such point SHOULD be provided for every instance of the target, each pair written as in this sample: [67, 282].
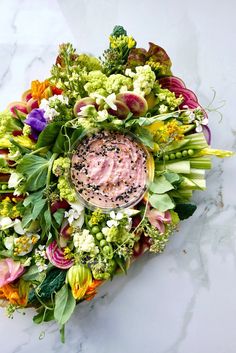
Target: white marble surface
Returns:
[184, 300]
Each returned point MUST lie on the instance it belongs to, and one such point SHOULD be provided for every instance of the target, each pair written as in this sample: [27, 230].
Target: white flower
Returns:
[102, 115]
[115, 218]
[15, 180]
[18, 227]
[109, 100]
[87, 110]
[75, 215]
[9, 242]
[84, 242]
[6, 222]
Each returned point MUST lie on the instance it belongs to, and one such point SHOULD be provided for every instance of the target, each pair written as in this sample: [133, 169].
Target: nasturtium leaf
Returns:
[160, 185]
[161, 202]
[64, 305]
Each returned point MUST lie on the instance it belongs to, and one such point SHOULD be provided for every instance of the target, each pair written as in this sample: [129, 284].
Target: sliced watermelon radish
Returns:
[32, 104]
[82, 103]
[172, 81]
[122, 110]
[136, 103]
[56, 256]
[20, 107]
[26, 96]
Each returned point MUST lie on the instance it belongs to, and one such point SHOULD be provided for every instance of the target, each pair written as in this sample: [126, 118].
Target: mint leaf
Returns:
[64, 305]
[161, 202]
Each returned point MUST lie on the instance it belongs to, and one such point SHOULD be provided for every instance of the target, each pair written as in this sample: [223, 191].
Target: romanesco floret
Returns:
[61, 166]
[8, 123]
[90, 63]
[65, 190]
[96, 82]
[143, 79]
[26, 130]
[118, 83]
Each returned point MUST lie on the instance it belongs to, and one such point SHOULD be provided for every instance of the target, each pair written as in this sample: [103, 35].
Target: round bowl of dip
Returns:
[109, 170]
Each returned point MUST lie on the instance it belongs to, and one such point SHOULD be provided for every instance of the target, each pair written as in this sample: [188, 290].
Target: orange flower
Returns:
[91, 291]
[40, 90]
[15, 295]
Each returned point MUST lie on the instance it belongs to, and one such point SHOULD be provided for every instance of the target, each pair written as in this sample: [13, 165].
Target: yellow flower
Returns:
[79, 278]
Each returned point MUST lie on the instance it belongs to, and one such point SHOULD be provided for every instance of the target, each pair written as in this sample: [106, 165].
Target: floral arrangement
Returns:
[98, 165]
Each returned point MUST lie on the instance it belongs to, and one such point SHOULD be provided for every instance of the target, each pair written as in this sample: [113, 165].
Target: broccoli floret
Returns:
[118, 31]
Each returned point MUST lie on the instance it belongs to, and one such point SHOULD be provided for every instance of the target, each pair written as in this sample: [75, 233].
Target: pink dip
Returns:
[109, 170]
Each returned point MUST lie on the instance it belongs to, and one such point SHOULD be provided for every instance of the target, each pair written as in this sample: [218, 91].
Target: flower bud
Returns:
[79, 278]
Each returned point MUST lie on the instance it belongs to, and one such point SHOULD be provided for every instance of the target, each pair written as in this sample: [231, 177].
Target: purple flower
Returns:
[36, 121]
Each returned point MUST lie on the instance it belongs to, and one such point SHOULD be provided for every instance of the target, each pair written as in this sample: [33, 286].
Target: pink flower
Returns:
[9, 271]
[158, 219]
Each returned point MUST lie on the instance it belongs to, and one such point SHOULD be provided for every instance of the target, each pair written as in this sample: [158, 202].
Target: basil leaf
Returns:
[160, 185]
[64, 305]
[161, 202]
[59, 215]
[48, 136]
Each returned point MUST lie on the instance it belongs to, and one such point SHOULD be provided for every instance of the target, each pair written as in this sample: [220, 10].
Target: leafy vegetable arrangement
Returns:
[120, 129]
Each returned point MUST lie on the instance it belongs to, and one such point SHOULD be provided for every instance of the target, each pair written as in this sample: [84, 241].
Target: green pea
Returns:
[95, 230]
[108, 252]
[104, 224]
[103, 242]
[184, 153]
[4, 186]
[166, 157]
[178, 155]
[172, 156]
[190, 152]
[99, 236]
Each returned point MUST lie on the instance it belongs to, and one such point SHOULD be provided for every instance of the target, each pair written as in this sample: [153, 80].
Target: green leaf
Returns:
[145, 137]
[44, 315]
[48, 136]
[33, 274]
[160, 185]
[32, 198]
[27, 218]
[64, 305]
[34, 168]
[66, 139]
[185, 210]
[59, 215]
[173, 178]
[161, 202]
[38, 207]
